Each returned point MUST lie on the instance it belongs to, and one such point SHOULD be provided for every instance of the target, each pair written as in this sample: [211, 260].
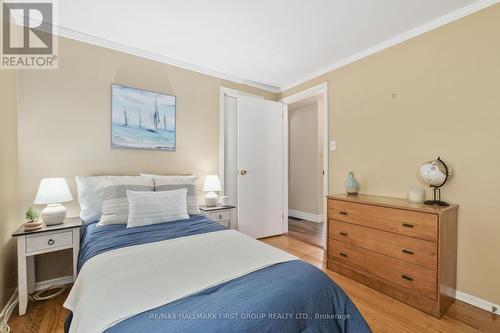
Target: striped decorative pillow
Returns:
[94, 191]
[156, 207]
[169, 183]
[114, 211]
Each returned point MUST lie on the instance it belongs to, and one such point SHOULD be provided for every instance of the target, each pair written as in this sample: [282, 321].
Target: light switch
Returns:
[333, 145]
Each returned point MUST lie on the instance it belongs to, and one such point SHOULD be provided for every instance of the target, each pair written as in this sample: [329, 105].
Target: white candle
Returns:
[416, 195]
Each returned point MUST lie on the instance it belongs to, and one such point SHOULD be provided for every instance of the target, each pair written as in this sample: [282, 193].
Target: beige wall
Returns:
[303, 193]
[8, 179]
[64, 122]
[447, 103]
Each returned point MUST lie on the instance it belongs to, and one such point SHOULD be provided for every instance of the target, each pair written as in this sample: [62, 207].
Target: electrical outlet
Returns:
[333, 145]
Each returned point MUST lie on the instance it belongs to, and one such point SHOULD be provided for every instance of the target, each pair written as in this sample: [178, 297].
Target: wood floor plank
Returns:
[383, 313]
[306, 231]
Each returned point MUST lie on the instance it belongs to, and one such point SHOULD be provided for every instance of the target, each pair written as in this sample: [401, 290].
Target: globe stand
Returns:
[437, 198]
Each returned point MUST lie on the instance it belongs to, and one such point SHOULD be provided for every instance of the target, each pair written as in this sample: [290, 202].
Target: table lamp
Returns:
[52, 192]
[211, 185]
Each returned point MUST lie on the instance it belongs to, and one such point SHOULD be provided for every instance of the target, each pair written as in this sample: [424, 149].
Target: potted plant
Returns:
[32, 216]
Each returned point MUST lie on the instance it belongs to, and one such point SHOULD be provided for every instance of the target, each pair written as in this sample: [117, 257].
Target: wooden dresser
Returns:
[404, 250]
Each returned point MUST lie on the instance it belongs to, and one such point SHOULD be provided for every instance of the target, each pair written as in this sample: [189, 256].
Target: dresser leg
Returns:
[22, 275]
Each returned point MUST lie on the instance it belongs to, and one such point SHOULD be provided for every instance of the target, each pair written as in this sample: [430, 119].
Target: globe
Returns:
[434, 173]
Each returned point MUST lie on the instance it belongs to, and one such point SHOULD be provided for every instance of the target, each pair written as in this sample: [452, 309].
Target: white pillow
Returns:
[114, 211]
[156, 207]
[93, 191]
[169, 183]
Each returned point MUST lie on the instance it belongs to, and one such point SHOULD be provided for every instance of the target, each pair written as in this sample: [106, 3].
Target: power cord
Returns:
[5, 315]
[37, 296]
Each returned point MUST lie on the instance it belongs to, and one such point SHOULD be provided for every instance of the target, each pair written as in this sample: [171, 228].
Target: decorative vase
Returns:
[351, 185]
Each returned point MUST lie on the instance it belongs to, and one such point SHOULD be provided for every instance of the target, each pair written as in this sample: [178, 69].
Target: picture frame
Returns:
[142, 119]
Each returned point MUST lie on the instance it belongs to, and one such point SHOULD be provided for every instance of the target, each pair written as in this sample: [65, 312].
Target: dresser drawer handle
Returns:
[220, 217]
[343, 254]
[407, 251]
[407, 277]
[51, 242]
[344, 234]
[343, 213]
[407, 225]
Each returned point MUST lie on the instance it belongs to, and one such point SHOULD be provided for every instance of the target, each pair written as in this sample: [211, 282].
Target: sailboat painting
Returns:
[142, 119]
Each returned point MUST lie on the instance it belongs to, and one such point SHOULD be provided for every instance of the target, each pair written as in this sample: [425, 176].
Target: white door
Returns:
[260, 164]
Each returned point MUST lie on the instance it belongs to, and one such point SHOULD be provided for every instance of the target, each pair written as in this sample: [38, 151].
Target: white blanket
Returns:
[121, 283]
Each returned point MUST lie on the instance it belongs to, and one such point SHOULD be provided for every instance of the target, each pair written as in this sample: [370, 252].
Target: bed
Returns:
[290, 296]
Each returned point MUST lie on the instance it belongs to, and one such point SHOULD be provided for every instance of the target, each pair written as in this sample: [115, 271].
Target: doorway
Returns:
[252, 162]
[307, 138]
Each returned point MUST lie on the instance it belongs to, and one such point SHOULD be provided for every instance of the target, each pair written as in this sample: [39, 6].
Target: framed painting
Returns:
[142, 119]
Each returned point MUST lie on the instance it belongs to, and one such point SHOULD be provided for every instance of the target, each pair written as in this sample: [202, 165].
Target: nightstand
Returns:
[220, 214]
[47, 239]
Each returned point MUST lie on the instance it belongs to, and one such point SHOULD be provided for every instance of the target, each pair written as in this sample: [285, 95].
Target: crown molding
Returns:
[436, 23]
[90, 39]
[93, 40]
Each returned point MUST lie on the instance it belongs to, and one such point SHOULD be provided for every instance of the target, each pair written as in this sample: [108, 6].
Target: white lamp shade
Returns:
[53, 190]
[212, 184]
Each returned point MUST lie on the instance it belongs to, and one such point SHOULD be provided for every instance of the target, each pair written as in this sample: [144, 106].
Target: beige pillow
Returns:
[114, 211]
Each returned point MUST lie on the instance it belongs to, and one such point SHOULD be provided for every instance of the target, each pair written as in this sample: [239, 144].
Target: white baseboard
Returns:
[305, 216]
[47, 283]
[478, 302]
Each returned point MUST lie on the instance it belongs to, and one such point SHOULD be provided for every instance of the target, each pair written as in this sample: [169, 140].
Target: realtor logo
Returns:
[28, 41]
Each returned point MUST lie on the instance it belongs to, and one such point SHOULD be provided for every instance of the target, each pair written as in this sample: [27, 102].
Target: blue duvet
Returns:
[288, 297]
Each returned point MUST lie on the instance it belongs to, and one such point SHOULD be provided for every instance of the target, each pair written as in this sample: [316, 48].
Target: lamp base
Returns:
[211, 199]
[54, 214]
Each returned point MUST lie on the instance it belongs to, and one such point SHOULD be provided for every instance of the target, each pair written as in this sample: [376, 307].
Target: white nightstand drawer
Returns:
[225, 223]
[220, 215]
[48, 241]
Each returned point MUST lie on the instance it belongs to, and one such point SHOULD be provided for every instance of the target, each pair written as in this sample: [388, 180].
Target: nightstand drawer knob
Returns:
[51, 242]
[220, 217]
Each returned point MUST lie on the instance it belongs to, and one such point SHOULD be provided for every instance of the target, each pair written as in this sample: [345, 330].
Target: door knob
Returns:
[243, 172]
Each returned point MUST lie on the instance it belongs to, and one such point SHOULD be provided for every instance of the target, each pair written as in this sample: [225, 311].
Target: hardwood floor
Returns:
[383, 313]
[306, 231]
[41, 317]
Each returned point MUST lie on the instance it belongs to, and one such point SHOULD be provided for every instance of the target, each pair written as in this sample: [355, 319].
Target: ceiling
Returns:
[269, 43]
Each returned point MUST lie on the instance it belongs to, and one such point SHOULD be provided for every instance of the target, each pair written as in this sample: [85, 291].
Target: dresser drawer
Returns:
[48, 241]
[410, 278]
[405, 222]
[220, 215]
[408, 249]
